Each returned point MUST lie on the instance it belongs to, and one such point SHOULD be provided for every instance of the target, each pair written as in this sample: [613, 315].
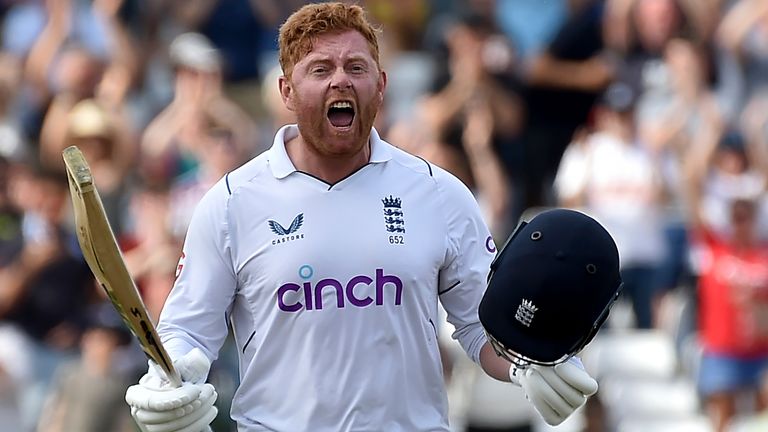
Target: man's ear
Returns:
[286, 92]
[382, 83]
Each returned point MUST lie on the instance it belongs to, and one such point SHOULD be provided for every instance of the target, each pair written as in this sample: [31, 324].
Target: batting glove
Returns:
[158, 406]
[555, 391]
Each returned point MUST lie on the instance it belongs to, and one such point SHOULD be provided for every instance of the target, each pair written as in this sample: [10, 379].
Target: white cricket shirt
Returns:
[332, 290]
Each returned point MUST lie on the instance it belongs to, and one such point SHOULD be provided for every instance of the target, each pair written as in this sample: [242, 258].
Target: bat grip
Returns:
[175, 379]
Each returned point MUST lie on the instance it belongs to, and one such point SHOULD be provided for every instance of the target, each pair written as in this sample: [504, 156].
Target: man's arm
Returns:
[496, 367]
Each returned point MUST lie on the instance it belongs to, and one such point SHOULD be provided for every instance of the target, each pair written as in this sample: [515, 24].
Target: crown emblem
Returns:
[393, 214]
[391, 202]
[525, 312]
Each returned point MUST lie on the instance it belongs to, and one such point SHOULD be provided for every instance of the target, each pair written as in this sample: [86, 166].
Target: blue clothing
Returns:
[531, 25]
[723, 373]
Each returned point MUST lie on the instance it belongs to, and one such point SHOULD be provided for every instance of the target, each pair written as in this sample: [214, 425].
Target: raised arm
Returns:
[754, 123]
[48, 43]
[737, 23]
[695, 166]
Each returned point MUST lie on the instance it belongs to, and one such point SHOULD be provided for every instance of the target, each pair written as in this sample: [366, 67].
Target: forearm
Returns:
[575, 75]
[42, 53]
[493, 365]
[491, 181]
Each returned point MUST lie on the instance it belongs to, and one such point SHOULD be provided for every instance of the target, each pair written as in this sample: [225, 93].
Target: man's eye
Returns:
[358, 69]
[318, 70]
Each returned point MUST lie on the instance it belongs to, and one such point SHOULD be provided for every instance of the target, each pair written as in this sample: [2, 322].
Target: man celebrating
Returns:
[328, 254]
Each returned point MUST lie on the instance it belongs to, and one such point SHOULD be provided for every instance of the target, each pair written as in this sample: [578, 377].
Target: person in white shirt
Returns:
[328, 254]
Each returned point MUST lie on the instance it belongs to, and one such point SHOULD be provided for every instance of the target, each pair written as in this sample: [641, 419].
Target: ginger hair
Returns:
[300, 29]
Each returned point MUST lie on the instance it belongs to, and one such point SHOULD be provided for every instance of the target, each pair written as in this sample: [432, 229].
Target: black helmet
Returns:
[550, 288]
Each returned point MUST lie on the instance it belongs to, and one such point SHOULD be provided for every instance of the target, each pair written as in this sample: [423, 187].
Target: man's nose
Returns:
[340, 80]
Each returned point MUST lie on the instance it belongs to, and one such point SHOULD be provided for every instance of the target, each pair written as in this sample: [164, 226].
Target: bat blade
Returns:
[105, 260]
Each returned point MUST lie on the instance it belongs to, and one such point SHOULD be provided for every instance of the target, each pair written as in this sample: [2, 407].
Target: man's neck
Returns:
[330, 169]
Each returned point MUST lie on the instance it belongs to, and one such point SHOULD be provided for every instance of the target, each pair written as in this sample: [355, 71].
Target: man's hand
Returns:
[555, 391]
[157, 406]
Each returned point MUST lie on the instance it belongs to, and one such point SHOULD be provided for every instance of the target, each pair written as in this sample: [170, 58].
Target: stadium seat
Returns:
[631, 353]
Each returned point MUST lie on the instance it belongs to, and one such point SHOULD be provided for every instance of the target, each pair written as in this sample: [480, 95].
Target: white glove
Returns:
[555, 391]
[158, 406]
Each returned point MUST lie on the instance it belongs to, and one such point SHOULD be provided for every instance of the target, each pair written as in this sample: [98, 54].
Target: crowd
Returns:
[650, 115]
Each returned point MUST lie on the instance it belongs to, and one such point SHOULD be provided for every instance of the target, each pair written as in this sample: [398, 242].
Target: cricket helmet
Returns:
[550, 288]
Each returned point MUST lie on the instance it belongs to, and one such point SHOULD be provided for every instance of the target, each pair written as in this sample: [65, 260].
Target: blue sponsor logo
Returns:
[287, 234]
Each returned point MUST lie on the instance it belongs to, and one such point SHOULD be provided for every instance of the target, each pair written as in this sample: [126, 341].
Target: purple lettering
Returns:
[382, 280]
[313, 295]
[319, 294]
[308, 295]
[357, 280]
[281, 303]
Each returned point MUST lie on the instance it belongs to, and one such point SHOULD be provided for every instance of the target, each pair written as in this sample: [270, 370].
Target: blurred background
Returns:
[650, 115]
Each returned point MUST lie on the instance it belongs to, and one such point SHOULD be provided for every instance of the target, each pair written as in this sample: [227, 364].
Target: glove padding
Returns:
[555, 391]
[158, 406]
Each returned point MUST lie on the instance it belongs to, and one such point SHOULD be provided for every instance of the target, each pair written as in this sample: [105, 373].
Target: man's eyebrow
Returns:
[312, 58]
[357, 57]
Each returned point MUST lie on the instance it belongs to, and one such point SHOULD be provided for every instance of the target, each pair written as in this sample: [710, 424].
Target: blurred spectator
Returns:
[107, 144]
[612, 176]
[219, 153]
[66, 46]
[743, 33]
[726, 184]
[173, 141]
[45, 289]
[462, 126]
[562, 82]
[675, 116]
[225, 22]
[88, 393]
[650, 26]
[726, 169]
[150, 250]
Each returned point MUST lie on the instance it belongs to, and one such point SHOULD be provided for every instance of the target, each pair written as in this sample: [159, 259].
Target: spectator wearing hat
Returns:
[173, 142]
[107, 143]
[612, 176]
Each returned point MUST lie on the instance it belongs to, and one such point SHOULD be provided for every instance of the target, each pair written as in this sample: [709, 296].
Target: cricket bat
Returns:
[100, 250]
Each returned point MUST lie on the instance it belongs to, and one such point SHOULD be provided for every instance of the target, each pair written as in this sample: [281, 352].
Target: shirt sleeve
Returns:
[195, 313]
[469, 252]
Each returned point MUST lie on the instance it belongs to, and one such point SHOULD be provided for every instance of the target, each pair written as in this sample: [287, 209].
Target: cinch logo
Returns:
[292, 297]
[286, 233]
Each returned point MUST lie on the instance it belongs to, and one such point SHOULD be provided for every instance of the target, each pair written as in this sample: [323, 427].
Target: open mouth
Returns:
[341, 114]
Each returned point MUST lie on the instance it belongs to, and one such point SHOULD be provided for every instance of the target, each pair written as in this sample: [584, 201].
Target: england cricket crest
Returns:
[525, 312]
[393, 215]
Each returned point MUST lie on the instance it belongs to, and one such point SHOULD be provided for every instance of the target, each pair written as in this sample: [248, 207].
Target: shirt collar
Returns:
[281, 164]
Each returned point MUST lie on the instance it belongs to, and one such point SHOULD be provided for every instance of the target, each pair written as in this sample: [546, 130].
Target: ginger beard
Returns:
[331, 130]
[335, 93]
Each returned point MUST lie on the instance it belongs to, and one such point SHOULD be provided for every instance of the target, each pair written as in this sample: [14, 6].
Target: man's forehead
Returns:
[344, 45]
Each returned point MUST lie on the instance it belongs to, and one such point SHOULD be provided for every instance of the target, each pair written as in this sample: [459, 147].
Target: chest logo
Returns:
[393, 215]
[287, 234]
